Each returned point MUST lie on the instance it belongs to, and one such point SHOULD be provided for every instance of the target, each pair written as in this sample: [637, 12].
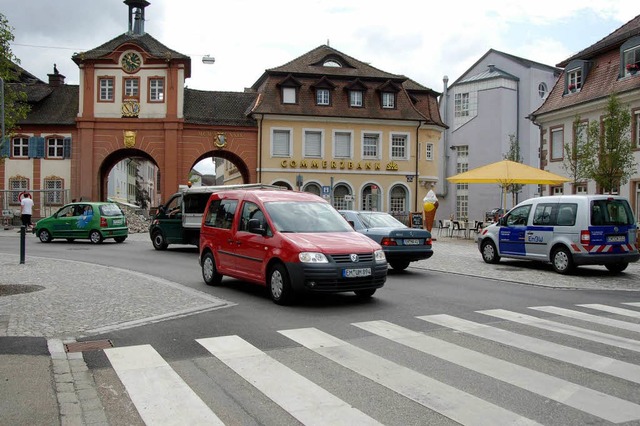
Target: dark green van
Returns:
[94, 221]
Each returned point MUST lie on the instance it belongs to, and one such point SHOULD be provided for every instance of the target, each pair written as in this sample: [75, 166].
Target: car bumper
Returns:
[605, 258]
[327, 278]
[408, 255]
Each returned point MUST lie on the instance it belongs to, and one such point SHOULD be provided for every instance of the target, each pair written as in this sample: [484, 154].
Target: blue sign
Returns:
[326, 190]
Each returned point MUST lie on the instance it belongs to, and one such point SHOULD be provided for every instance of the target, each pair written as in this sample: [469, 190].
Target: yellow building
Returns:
[340, 128]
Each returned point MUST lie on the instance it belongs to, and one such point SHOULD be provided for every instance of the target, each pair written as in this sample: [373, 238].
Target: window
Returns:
[340, 193]
[55, 147]
[220, 213]
[581, 188]
[631, 59]
[281, 143]
[370, 199]
[636, 128]
[518, 216]
[342, 147]
[388, 100]
[156, 89]
[542, 214]
[462, 201]
[557, 144]
[557, 190]
[371, 146]
[429, 153]
[131, 88]
[322, 96]
[355, 98]
[313, 188]
[54, 191]
[313, 143]
[288, 95]
[398, 199]
[399, 147]
[574, 79]
[462, 104]
[252, 211]
[17, 185]
[542, 90]
[20, 147]
[106, 89]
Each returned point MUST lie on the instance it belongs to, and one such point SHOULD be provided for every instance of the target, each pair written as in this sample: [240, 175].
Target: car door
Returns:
[512, 231]
[251, 248]
[170, 221]
[538, 236]
[221, 217]
[63, 222]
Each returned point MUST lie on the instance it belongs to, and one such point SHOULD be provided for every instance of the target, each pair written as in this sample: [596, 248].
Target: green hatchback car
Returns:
[84, 220]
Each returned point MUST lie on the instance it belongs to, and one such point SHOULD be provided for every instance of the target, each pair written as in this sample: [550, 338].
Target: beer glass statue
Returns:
[430, 205]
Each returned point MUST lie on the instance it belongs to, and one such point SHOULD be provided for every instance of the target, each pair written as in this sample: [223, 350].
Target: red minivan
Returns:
[290, 242]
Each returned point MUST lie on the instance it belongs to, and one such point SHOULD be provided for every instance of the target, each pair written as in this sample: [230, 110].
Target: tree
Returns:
[578, 152]
[15, 99]
[612, 162]
[513, 155]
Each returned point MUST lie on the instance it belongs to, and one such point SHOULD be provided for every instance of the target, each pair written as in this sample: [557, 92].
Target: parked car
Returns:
[290, 242]
[84, 220]
[178, 220]
[401, 244]
[567, 231]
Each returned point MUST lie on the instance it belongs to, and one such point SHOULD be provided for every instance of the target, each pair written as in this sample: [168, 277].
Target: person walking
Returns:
[26, 210]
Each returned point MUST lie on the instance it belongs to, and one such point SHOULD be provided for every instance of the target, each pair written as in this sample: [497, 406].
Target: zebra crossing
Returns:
[163, 397]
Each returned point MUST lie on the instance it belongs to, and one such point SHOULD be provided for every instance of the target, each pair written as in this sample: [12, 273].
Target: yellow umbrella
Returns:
[506, 173]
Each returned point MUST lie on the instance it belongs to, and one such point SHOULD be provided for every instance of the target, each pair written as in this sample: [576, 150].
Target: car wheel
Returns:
[95, 237]
[280, 285]
[44, 236]
[159, 243]
[399, 265]
[209, 271]
[119, 239]
[489, 252]
[562, 261]
[71, 239]
[616, 268]
[365, 294]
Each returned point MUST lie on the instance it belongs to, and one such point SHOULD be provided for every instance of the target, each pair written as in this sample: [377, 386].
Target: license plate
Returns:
[355, 273]
[411, 242]
[616, 239]
[117, 221]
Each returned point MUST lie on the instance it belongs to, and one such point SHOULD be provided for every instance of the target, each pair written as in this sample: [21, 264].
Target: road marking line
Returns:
[602, 364]
[570, 330]
[158, 392]
[451, 402]
[303, 399]
[582, 398]
[589, 317]
[613, 309]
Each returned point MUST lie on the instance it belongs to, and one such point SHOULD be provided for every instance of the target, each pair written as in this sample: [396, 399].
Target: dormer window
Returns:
[332, 63]
[355, 98]
[288, 95]
[576, 73]
[289, 90]
[388, 100]
[631, 60]
[322, 96]
[574, 78]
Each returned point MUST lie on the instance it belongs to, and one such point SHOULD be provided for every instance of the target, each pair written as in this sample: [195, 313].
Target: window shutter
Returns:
[5, 148]
[312, 144]
[343, 145]
[36, 147]
[66, 148]
[281, 143]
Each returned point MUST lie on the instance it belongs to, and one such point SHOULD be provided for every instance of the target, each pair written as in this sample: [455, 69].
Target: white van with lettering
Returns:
[567, 231]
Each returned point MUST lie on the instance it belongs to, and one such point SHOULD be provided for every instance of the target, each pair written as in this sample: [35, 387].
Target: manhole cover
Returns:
[12, 289]
[93, 345]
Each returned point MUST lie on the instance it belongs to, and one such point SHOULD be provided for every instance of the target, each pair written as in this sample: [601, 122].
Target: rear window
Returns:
[110, 210]
[611, 212]
[195, 203]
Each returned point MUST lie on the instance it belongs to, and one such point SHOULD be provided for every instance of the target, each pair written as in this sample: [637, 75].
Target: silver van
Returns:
[567, 231]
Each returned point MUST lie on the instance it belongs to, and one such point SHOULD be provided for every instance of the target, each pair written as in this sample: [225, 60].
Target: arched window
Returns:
[398, 199]
[281, 183]
[313, 188]
[371, 197]
[341, 193]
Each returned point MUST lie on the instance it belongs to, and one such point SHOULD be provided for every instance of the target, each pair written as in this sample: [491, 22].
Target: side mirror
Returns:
[255, 226]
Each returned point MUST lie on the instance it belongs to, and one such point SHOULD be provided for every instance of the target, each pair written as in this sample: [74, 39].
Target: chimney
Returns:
[492, 67]
[56, 79]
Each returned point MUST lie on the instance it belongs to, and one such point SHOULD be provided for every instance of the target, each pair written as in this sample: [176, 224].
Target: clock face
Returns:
[131, 61]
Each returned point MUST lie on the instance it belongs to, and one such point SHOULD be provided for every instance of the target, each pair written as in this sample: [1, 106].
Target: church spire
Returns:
[136, 16]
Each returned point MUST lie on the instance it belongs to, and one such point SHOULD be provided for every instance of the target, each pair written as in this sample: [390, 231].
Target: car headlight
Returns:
[379, 256]
[311, 257]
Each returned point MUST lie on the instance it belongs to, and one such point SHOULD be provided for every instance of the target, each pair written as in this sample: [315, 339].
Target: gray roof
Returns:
[489, 74]
[218, 108]
[51, 105]
[144, 41]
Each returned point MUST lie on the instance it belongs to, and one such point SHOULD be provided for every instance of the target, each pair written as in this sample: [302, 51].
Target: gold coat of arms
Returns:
[220, 140]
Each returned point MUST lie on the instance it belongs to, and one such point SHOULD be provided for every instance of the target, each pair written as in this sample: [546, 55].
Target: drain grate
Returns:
[93, 345]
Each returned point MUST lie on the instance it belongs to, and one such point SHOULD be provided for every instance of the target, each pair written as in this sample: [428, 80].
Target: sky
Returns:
[422, 40]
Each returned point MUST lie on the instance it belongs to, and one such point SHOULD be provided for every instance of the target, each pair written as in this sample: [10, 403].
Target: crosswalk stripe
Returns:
[612, 309]
[632, 304]
[606, 365]
[444, 399]
[588, 400]
[588, 317]
[570, 330]
[158, 392]
[303, 399]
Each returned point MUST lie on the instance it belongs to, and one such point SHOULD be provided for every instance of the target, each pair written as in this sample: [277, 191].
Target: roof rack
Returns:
[215, 188]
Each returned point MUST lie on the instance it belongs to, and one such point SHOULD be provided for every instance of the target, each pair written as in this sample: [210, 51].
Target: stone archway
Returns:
[111, 160]
[238, 162]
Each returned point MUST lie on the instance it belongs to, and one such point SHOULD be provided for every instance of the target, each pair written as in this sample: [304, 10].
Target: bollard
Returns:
[23, 232]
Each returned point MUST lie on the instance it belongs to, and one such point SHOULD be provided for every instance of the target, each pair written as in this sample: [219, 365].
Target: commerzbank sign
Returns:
[336, 164]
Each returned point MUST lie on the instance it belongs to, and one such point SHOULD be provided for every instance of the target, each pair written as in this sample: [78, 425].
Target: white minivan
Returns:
[566, 230]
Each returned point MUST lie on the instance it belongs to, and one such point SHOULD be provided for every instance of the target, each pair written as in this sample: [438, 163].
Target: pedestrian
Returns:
[26, 210]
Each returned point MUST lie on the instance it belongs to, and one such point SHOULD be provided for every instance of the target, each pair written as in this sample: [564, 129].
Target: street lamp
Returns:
[208, 59]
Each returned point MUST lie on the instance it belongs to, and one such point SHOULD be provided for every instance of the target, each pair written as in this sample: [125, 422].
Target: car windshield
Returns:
[296, 216]
[379, 220]
[110, 210]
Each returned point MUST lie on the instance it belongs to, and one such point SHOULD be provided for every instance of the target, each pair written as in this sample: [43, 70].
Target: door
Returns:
[252, 248]
[170, 220]
[539, 235]
[512, 233]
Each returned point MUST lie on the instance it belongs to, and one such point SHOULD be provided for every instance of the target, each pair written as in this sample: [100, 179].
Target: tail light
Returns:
[103, 222]
[585, 237]
[427, 241]
[386, 241]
